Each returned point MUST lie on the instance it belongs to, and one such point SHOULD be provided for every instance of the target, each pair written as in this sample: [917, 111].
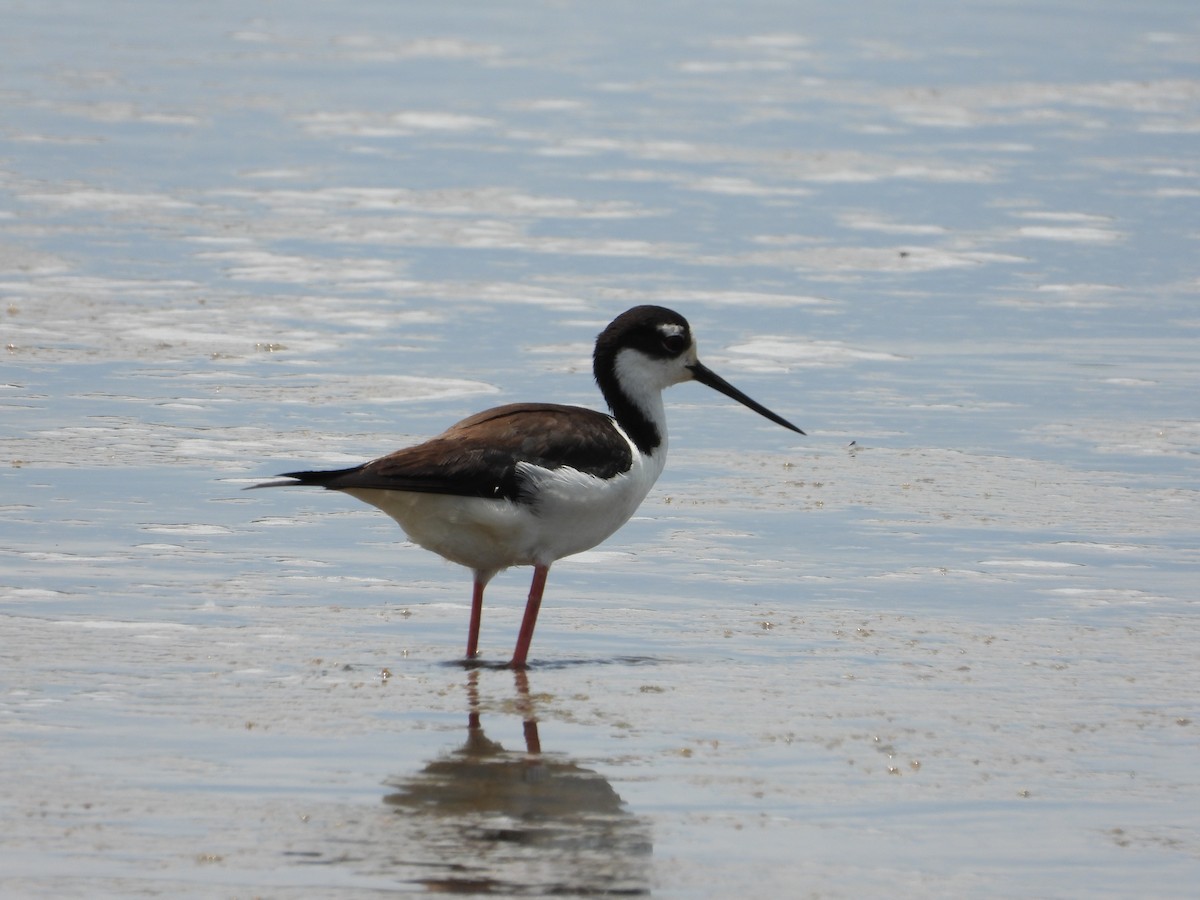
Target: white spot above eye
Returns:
[669, 329]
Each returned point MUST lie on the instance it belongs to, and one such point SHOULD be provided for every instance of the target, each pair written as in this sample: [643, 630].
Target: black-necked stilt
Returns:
[529, 483]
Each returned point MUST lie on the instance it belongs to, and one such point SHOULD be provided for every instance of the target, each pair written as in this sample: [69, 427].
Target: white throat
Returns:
[642, 381]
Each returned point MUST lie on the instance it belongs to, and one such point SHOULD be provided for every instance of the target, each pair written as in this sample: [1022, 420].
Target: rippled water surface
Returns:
[946, 645]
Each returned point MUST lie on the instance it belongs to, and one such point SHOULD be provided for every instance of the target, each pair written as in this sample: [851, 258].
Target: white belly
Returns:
[571, 512]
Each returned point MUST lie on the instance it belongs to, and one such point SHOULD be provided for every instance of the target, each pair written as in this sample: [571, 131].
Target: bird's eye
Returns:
[674, 343]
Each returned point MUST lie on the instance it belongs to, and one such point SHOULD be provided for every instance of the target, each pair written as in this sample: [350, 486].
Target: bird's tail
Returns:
[323, 478]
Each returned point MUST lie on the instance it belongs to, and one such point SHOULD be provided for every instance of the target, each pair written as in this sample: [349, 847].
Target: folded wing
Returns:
[480, 456]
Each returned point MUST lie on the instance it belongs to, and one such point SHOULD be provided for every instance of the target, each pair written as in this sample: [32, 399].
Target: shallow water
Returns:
[943, 646]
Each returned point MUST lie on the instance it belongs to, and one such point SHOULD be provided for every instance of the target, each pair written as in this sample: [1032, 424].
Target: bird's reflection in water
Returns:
[490, 820]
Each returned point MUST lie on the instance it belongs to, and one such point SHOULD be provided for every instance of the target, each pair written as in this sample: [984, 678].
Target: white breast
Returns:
[575, 512]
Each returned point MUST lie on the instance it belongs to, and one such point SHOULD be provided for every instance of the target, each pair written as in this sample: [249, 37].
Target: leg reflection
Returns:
[484, 818]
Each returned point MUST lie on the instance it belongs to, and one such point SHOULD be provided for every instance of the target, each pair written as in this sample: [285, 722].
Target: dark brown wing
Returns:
[478, 456]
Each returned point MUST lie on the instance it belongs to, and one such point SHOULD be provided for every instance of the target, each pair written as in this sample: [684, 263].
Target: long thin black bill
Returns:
[707, 376]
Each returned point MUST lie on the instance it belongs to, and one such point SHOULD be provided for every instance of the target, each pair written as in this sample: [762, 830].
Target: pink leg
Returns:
[532, 605]
[476, 619]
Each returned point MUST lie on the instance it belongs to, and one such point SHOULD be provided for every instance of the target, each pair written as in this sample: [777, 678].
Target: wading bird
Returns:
[528, 483]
